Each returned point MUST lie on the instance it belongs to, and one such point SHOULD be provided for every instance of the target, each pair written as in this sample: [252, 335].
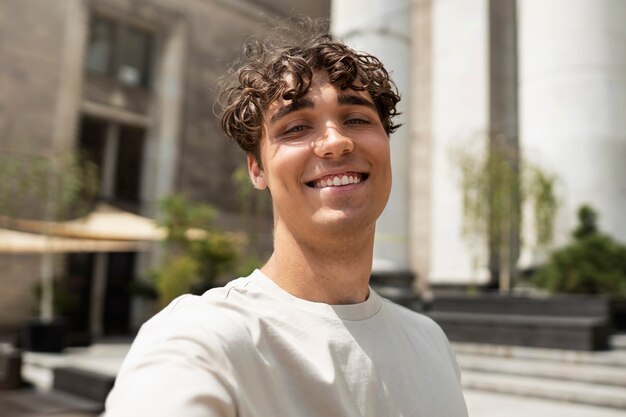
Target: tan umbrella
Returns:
[106, 229]
[104, 223]
[15, 242]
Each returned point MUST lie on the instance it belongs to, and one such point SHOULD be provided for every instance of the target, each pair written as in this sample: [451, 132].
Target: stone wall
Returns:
[40, 54]
[20, 274]
[31, 33]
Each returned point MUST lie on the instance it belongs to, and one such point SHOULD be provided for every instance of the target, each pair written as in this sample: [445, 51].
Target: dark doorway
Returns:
[76, 289]
[120, 274]
[76, 293]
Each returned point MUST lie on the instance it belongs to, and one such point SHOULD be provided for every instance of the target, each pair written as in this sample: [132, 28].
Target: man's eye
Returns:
[295, 129]
[356, 121]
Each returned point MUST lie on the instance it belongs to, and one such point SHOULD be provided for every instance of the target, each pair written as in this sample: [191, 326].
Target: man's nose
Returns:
[333, 143]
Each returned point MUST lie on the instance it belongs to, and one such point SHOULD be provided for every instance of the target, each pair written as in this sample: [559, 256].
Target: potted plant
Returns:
[198, 254]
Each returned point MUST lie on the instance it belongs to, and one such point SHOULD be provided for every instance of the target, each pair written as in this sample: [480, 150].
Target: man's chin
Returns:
[341, 222]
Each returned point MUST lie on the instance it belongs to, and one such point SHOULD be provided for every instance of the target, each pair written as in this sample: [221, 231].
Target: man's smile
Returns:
[338, 180]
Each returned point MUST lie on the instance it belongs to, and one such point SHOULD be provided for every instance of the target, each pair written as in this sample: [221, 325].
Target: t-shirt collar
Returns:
[351, 312]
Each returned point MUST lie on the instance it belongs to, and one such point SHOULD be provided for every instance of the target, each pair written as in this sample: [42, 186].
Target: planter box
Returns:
[10, 368]
[558, 305]
[44, 336]
[75, 392]
[618, 314]
[397, 286]
[572, 333]
[561, 322]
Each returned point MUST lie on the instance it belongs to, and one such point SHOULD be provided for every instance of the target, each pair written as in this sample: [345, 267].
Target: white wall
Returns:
[460, 109]
[381, 27]
[572, 82]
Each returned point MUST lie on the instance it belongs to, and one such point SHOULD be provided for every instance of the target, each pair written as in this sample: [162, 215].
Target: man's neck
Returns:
[333, 271]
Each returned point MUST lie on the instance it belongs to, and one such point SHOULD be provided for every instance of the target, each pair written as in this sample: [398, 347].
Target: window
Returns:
[100, 49]
[134, 69]
[117, 151]
[120, 51]
[128, 164]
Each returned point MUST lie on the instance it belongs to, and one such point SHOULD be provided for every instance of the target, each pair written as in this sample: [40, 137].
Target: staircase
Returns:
[592, 378]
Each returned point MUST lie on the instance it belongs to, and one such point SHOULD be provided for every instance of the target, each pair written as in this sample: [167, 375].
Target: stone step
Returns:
[491, 404]
[615, 357]
[544, 369]
[567, 391]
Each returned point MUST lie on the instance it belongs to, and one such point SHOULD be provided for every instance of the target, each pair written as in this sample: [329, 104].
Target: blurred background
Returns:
[506, 222]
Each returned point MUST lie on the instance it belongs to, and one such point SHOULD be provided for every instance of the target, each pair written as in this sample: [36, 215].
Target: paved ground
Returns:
[485, 404]
[107, 357]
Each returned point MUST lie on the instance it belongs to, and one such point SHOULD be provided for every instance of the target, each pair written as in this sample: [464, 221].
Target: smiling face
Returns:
[325, 158]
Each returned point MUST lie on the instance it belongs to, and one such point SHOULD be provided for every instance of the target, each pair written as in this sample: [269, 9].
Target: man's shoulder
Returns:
[422, 331]
[220, 312]
[411, 318]
[188, 350]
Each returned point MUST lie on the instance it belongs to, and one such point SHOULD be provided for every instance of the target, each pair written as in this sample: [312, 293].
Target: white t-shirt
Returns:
[252, 349]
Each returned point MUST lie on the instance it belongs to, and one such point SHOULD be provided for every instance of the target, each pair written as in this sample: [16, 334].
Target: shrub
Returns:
[198, 254]
[593, 263]
[176, 278]
[496, 182]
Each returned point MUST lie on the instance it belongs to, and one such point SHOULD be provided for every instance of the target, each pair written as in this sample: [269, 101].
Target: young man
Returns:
[304, 335]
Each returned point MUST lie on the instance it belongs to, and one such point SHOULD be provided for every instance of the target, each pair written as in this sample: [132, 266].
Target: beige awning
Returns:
[105, 222]
[106, 229]
[16, 242]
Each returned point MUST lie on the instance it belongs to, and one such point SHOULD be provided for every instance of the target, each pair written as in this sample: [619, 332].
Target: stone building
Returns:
[131, 83]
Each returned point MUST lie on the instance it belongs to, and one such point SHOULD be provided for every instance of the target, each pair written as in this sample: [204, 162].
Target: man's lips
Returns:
[338, 180]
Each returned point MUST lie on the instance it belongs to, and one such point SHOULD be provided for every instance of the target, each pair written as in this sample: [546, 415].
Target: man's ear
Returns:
[257, 175]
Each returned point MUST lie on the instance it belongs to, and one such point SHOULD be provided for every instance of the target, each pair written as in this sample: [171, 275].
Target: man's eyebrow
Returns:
[295, 105]
[354, 100]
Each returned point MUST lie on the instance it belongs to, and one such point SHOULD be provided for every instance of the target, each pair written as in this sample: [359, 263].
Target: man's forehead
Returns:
[320, 79]
[345, 96]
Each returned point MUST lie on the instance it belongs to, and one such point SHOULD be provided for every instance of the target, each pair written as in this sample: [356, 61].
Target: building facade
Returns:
[546, 77]
[131, 85]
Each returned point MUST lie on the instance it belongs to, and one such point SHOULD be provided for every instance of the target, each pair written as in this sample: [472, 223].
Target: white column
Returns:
[460, 114]
[71, 75]
[573, 104]
[420, 200]
[381, 28]
[162, 144]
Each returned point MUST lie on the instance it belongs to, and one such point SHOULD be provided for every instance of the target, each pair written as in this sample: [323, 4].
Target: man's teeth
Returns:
[338, 181]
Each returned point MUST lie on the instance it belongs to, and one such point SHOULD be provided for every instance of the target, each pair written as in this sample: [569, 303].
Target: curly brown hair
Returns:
[249, 91]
